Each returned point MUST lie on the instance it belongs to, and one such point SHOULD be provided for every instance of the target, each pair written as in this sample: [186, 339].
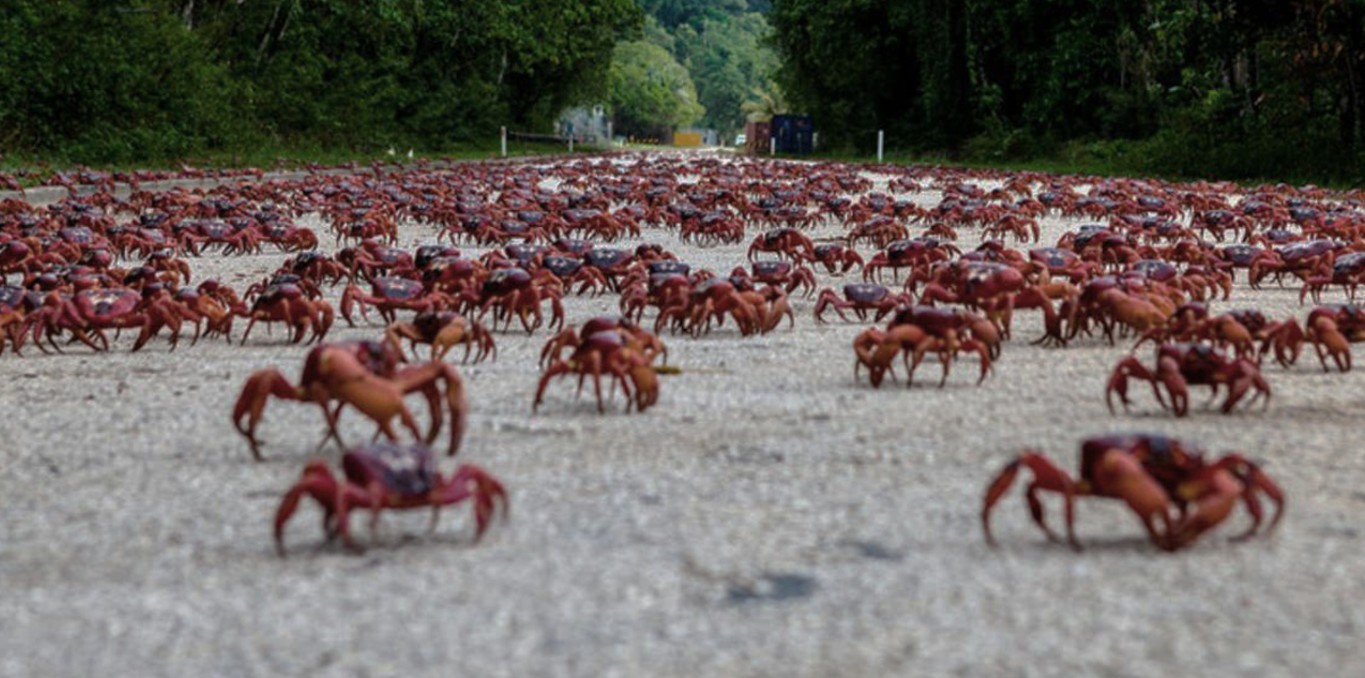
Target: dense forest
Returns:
[1227, 88]
[697, 62]
[1234, 88]
[135, 81]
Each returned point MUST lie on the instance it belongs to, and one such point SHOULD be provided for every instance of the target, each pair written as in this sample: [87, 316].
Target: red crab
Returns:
[444, 330]
[1299, 258]
[290, 304]
[913, 252]
[1179, 365]
[1153, 475]
[860, 298]
[614, 347]
[782, 274]
[92, 311]
[916, 331]
[785, 242]
[1331, 329]
[389, 295]
[1347, 270]
[516, 292]
[837, 258]
[879, 231]
[388, 476]
[366, 375]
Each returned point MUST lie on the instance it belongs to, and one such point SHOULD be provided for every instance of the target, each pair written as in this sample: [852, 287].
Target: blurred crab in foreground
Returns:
[366, 375]
[389, 476]
[1176, 492]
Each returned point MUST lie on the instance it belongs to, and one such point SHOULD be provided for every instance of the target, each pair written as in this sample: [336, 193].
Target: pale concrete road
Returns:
[768, 517]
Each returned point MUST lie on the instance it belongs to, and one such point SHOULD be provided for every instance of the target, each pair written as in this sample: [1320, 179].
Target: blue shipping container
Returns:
[794, 134]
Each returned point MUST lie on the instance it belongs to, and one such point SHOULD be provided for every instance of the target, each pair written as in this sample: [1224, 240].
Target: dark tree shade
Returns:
[1233, 87]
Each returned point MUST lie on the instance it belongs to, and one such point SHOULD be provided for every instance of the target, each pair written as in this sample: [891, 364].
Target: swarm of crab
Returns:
[933, 263]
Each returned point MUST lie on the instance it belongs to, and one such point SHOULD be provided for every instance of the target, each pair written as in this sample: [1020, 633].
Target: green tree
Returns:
[102, 81]
[728, 60]
[651, 93]
[137, 79]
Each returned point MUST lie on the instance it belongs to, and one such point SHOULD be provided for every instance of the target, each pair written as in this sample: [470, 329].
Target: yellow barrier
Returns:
[687, 139]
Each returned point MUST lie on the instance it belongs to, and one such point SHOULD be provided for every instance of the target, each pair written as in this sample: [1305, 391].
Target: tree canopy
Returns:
[1232, 87]
[128, 80]
[651, 93]
[722, 48]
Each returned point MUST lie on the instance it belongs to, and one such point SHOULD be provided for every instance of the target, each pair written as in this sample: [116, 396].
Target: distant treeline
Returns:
[132, 81]
[1226, 88]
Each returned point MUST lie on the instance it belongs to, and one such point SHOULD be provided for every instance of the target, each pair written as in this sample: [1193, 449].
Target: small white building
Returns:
[585, 125]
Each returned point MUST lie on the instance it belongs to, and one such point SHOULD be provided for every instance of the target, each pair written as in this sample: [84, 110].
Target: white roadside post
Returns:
[503, 135]
[881, 137]
[772, 145]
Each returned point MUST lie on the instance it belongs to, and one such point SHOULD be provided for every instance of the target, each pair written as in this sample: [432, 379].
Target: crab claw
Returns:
[315, 481]
[250, 406]
[470, 481]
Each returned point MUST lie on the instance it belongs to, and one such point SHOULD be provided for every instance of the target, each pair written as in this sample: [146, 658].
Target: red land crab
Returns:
[660, 284]
[1021, 227]
[613, 347]
[443, 330]
[610, 262]
[382, 476]
[784, 242]
[572, 337]
[953, 324]
[1347, 270]
[285, 235]
[390, 295]
[290, 304]
[919, 251]
[196, 307]
[1178, 365]
[371, 259]
[515, 292]
[91, 311]
[711, 228]
[200, 234]
[712, 299]
[1218, 222]
[782, 274]
[571, 271]
[1114, 303]
[1158, 477]
[1058, 262]
[15, 305]
[1299, 258]
[876, 349]
[997, 289]
[916, 331]
[837, 258]
[1332, 329]
[366, 375]
[879, 231]
[316, 267]
[860, 298]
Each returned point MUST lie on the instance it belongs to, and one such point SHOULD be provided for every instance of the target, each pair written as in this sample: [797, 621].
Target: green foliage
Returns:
[723, 46]
[651, 93]
[86, 79]
[859, 66]
[1229, 87]
[111, 80]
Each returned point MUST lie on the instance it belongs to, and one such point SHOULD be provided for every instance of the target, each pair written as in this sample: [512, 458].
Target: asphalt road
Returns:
[769, 516]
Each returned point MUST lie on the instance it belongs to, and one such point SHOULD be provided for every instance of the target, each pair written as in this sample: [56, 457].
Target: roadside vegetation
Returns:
[1194, 88]
[1233, 89]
